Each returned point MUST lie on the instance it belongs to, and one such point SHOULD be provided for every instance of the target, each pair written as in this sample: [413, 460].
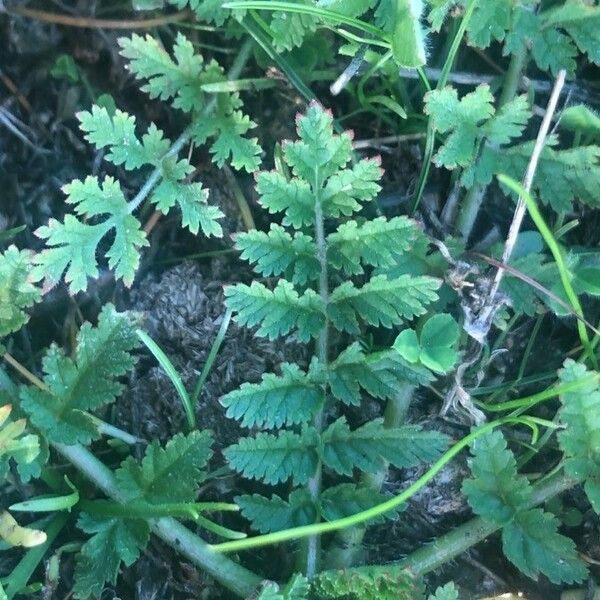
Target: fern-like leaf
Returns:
[367, 583]
[169, 474]
[277, 312]
[369, 447]
[345, 190]
[379, 374]
[294, 196]
[580, 441]
[275, 514]
[381, 302]
[277, 253]
[376, 243]
[289, 399]
[274, 458]
[17, 289]
[177, 80]
[318, 154]
[347, 499]
[84, 383]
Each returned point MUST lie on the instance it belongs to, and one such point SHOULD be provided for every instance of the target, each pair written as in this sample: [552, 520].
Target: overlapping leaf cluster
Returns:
[325, 282]
[101, 209]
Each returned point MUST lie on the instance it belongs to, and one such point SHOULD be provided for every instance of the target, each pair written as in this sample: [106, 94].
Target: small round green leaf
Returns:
[407, 345]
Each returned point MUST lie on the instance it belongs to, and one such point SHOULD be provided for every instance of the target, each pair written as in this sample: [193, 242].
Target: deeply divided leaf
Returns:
[83, 383]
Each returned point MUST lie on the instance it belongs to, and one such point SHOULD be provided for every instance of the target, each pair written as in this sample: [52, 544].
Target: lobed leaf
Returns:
[294, 197]
[532, 543]
[276, 312]
[380, 301]
[72, 245]
[380, 374]
[289, 399]
[277, 253]
[371, 446]
[275, 514]
[117, 133]
[114, 541]
[496, 491]
[169, 474]
[87, 382]
[275, 458]
[376, 243]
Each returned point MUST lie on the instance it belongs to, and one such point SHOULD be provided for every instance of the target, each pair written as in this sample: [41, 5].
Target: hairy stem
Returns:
[346, 545]
[228, 573]
[471, 205]
[236, 68]
[312, 546]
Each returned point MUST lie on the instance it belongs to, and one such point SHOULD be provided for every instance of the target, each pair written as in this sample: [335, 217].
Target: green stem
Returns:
[371, 513]
[473, 201]
[446, 547]
[236, 68]
[312, 547]
[228, 573]
[345, 547]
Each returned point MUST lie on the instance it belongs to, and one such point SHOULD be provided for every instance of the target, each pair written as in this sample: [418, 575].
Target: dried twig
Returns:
[93, 23]
[520, 210]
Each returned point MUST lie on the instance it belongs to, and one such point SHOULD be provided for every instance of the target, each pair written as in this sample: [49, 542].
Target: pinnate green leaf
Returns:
[17, 289]
[274, 458]
[277, 253]
[83, 383]
[114, 541]
[371, 446]
[381, 302]
[461, 119]
[294, 196]
[376, 243]
[289, 399]
[380, 374]
[318, 153]
[347, 188]
[530, 537]
[275, 514]
[169, 474]
[276, 312]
